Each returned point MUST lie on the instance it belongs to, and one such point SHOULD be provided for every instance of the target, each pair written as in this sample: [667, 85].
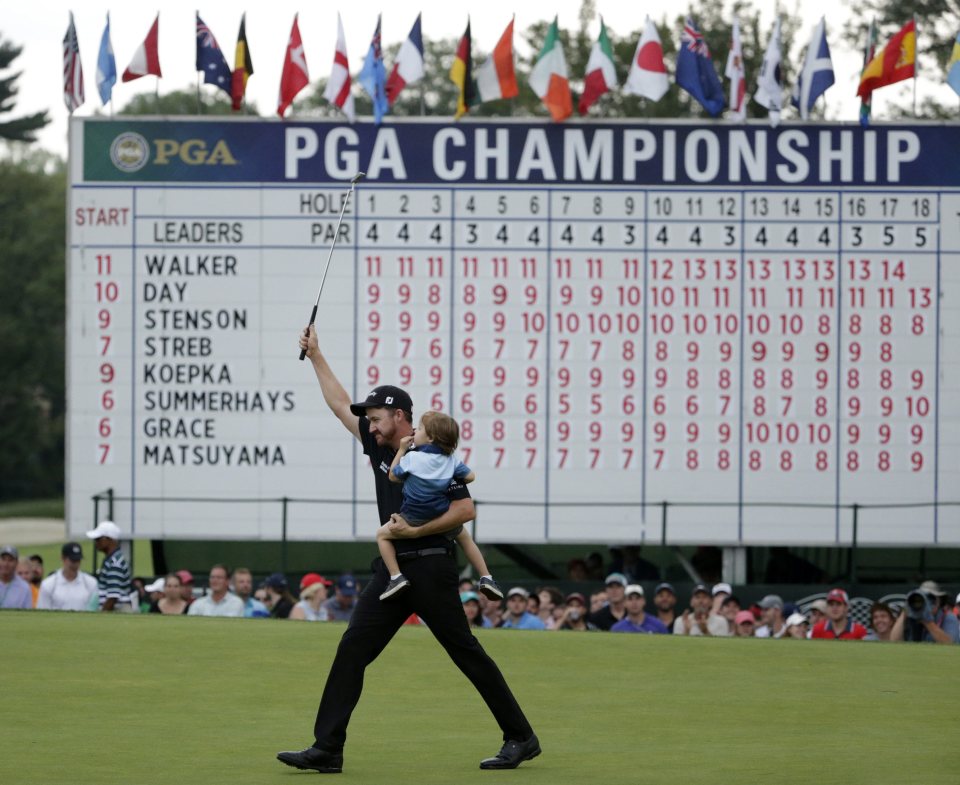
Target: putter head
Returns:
[358, 177]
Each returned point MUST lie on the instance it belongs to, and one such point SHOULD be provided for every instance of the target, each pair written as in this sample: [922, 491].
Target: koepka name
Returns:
[186, 373]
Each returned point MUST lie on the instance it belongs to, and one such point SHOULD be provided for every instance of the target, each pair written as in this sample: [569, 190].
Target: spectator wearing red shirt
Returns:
[838, 625]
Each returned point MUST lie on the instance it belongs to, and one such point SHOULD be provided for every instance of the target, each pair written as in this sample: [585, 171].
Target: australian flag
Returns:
[695, 72]
[210, 59]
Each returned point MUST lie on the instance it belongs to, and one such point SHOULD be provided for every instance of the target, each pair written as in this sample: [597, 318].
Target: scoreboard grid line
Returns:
[740, 427]
[936, 389]
[839, 385]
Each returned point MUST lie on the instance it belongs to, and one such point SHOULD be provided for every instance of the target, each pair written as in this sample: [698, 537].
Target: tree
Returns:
[32, 326]
[20, 129]
[938, 22]
[181, 102]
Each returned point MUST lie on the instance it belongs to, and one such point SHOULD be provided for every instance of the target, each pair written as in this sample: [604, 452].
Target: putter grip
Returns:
[313, 318]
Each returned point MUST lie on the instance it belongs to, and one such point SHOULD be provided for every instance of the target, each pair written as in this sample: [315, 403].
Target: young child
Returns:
[426, 473]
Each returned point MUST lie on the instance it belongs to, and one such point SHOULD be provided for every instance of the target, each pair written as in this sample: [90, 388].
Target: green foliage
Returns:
[20, 129]
[32, 327]
[182, 102]
[938, 22]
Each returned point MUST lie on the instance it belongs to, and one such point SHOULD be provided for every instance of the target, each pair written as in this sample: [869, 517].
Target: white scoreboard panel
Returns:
[732, 320]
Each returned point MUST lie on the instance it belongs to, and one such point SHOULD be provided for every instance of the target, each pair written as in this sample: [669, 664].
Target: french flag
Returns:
[409, 65]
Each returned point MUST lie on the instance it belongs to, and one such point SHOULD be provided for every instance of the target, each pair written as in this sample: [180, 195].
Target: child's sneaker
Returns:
[396, 586]
[488, 588]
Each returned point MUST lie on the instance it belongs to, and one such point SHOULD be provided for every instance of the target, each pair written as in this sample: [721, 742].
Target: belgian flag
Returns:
[242, 68]
[461, 74]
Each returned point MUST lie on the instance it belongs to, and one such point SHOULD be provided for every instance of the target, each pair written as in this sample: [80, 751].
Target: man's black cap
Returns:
[72, 551]
[385, 395]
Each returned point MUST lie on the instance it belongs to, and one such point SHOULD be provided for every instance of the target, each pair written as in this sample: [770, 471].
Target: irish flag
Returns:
[496, 78]
[601, 73]
[549, 78]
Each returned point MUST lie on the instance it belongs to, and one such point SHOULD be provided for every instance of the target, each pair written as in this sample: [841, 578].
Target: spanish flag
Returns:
[894, 63]
[242, 68]
[461, 74]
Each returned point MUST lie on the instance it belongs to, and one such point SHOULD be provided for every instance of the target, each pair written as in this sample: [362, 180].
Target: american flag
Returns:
[693, 39]
[72, 69]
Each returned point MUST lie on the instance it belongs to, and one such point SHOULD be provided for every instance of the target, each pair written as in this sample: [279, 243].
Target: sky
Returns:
[268, 27]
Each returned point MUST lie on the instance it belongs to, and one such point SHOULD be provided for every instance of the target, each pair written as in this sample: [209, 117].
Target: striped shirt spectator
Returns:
[114, 579]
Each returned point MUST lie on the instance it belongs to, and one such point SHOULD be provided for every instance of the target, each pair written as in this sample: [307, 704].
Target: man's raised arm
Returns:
[333, 392]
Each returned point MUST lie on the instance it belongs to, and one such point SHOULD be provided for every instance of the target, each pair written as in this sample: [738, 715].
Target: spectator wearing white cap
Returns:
[517, 616]
[69, 588]
[818, 612]
[636, 619]
[796, 626]
[698, 620]
[114, 581]
[771, 614]
[616, 608]
[720, 592]
[14, 591]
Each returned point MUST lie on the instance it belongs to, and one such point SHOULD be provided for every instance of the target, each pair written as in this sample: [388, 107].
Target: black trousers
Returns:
[434, 597]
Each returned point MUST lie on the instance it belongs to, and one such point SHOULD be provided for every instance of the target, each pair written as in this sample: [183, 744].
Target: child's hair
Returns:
[442, 430]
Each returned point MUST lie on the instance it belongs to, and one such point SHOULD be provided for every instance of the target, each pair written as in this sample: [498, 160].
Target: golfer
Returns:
[426, 554]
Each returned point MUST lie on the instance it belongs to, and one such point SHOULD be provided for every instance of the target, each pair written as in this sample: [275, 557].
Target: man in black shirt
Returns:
[426, 554]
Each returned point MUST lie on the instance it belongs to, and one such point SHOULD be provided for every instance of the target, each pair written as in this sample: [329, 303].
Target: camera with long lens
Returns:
[920, 605]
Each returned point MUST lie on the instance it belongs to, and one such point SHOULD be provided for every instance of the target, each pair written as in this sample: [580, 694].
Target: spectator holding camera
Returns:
[575, 614]
[838, 625]
[926, 617]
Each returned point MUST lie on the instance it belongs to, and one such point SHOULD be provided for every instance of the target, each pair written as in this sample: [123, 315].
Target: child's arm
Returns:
[472, 552]
[405, 443]
[464, 473]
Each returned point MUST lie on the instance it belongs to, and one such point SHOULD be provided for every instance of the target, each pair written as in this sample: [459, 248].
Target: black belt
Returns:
[410, 555]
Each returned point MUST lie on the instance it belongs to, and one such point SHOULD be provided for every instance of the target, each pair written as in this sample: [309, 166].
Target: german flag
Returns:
[242, 68]
[461, 74]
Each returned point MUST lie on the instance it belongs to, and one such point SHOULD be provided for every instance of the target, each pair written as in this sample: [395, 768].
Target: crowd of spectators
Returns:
[928, 614]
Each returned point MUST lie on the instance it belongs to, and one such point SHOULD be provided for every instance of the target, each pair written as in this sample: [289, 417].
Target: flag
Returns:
[106, 65]
[72, 69]
[894, 63]
[648, 74]
[496, 77]
[408, 67]
[338, 85]
[210, 59]
[242, 66]
[146, 60]
[817, 72]
[695, 72]
[461, 75]
[373, 76]
[770, 84]
[868, 54]
[735, 73]
[549, 78]
[601, 73]
[295, 75]
[953, 67]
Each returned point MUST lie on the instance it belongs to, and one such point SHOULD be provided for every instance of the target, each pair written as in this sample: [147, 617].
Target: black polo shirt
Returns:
[390, 494]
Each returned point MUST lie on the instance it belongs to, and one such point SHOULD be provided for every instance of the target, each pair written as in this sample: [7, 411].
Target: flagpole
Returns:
[916, 62]
[198, 94]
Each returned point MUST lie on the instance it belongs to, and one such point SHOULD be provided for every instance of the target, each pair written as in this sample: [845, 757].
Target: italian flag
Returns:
[496, 77]
[549, 76]
[601, 73]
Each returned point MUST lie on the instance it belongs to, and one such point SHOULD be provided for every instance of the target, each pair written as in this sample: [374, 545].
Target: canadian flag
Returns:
[295, 75]
[338, 85]
[146, 60]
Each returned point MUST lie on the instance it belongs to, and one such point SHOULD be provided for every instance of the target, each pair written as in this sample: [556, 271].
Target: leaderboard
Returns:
[758, 327]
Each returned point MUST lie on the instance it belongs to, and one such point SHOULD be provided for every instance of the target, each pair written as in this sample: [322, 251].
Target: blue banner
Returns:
[479, 153]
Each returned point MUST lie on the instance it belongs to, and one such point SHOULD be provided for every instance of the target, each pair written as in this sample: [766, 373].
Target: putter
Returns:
[313, 315]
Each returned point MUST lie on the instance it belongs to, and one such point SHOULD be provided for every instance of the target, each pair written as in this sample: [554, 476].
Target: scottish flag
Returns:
[106, 66]
[817, 72]
[695, 72]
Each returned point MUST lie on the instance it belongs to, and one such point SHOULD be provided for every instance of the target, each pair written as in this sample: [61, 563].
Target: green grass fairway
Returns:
[138, 700]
